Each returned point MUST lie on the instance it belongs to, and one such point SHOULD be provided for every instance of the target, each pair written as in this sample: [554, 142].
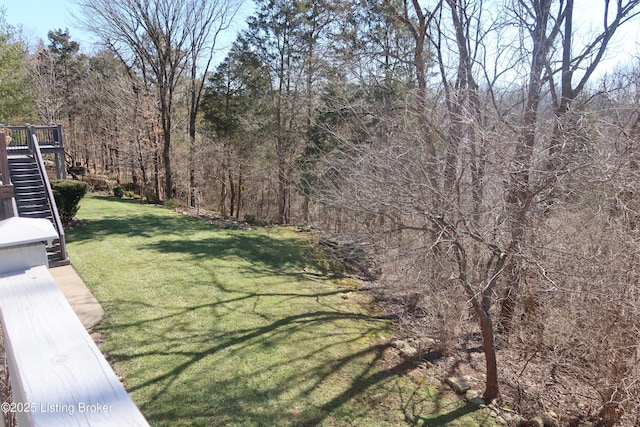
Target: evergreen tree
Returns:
[16, 98]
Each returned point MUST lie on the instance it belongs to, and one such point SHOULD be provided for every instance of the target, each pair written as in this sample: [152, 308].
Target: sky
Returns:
[38, 17]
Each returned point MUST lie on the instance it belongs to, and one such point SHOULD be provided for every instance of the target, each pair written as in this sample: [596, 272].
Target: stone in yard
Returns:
[550, 419]
[534, 422]
[512, 419]
[460, 384]
[474, 397]
[404, 347]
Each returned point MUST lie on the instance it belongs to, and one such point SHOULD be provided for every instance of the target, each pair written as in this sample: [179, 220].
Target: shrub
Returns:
[131, 195]
[171, 204]
[129, 186]
[153, 197]
[68, 194]
[97, 184]
[250, 219]
[118, 191]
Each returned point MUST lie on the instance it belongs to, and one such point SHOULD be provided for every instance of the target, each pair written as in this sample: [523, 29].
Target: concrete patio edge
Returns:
[84, 304]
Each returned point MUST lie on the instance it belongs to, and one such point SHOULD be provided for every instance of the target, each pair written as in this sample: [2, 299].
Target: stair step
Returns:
[25, 175]
[29, 189]
[24, 163]
[33, 203]
[26, 168]
[23, 167]
[25, 189]
[21, 174]
[40, 213]
[29, 193]
[31, 200]
[31, 183]
[30, 213]
[20, 168]
[34, 209]
[34, 181]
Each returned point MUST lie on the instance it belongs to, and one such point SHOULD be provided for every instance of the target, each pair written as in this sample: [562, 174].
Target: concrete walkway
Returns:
[87, 308]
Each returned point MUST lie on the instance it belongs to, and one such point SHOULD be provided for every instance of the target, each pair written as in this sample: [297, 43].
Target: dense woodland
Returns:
[476, 153]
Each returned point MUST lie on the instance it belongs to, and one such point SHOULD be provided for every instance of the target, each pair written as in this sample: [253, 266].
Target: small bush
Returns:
[68, 194]
[131, 195]
[118, 191]
[97, 184]
[171, 204]
[250, 219]
[153, 197]
[128, 186]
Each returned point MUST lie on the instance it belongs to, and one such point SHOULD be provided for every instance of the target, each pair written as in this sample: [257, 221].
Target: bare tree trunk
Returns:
[222, 203]
[305, 209]
[518, 191]
[481, 302]
[239, 203]
[192, 169]
[281, 168]
[492, 389]
[232, 188]
[156, 172]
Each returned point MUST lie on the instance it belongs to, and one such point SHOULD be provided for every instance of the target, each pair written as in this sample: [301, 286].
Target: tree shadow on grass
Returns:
[445, 419]
[318, 363]
[272, 252]
[257, 392]
[139, 221]
[232, 390]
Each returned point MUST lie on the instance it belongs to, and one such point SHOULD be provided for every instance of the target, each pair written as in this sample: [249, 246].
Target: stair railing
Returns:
[8, 206]
[37, 155]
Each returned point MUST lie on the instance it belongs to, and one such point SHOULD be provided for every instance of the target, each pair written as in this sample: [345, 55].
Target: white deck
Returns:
[55, 367]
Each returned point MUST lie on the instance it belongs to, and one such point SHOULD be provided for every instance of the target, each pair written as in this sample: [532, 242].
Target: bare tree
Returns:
[383, 175]
[278, 36]
[211, 17]
[381, 182]
[160, 38]
[418, 21]
[547, 24]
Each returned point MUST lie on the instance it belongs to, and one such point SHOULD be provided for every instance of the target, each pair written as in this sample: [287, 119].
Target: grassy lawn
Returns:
[217, 327]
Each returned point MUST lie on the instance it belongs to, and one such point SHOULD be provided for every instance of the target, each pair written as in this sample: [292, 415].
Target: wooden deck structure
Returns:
[50, 141]
[26, 190]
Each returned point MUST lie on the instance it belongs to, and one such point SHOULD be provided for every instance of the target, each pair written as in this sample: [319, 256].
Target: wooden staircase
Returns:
[26, 191]
[29, 189]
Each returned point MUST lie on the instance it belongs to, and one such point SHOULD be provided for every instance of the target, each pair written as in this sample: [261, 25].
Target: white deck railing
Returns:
[58, 375]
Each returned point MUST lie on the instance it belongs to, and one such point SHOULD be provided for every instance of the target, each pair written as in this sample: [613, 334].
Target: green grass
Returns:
[217, 327]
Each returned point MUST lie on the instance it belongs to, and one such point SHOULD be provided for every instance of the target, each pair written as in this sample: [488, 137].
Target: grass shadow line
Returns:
[445, 419]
